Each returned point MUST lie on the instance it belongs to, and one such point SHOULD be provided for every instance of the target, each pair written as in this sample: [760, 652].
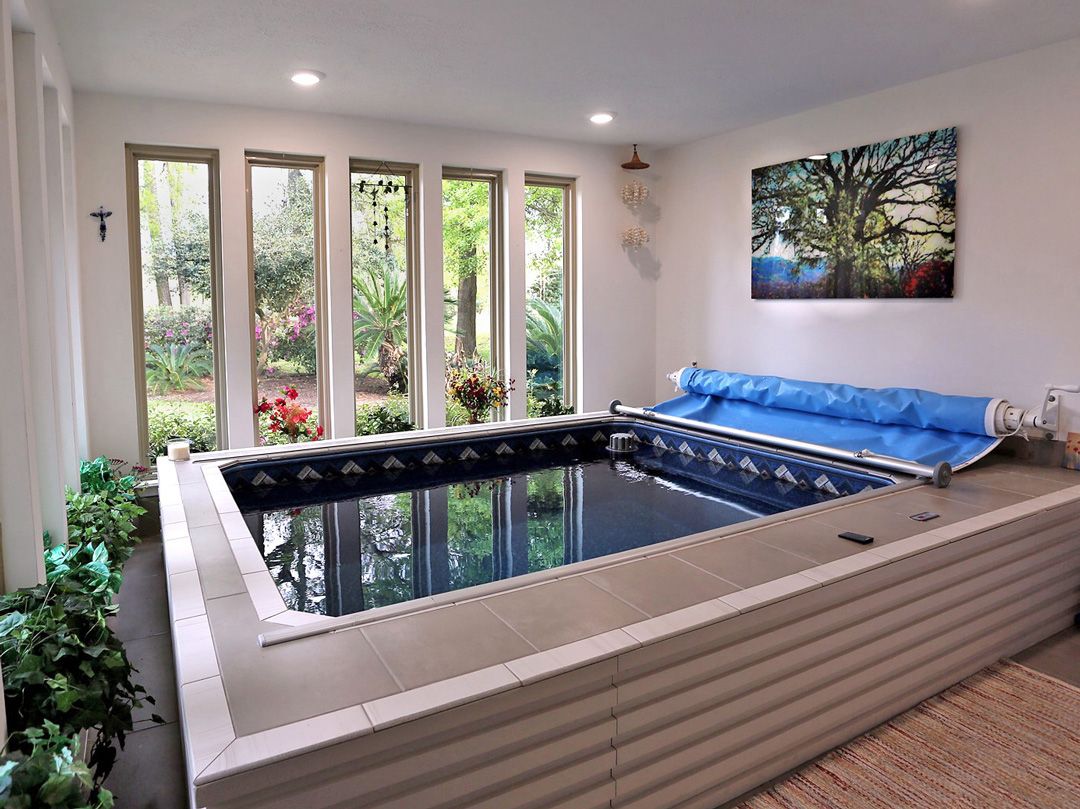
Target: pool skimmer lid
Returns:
[622, 443]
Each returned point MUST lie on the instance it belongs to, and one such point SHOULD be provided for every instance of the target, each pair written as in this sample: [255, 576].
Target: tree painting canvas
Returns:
[876, 221]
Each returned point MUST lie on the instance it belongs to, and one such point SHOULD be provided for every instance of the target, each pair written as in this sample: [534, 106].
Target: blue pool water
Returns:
[337, 546]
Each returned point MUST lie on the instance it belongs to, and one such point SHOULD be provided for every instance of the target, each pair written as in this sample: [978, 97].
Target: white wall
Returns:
[40, 436]
[1012, 326]
[617, 333]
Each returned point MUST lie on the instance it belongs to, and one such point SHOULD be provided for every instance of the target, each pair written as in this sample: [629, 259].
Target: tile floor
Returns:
[149, 772]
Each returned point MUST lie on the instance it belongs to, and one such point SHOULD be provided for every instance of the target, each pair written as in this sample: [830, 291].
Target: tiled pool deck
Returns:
[244, 705]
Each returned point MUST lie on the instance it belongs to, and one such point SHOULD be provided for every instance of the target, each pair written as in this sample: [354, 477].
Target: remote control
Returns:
[862, 539]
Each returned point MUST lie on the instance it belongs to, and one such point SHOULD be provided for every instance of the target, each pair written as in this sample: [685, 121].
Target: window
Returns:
[285, 218]
[173, 195]
[384, 293]
[549, 295]
[471, 282]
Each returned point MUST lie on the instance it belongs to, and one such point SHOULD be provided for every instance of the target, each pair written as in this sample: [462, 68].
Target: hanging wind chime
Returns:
[380, 192]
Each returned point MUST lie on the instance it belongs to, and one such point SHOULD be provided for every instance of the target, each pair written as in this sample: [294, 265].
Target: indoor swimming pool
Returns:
[352, 532]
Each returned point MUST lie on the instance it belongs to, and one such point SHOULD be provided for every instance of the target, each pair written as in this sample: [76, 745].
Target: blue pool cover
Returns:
[908, 423]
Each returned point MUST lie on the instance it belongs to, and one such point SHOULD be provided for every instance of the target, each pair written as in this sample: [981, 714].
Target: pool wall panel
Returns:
[1002, 589]
[552, 738]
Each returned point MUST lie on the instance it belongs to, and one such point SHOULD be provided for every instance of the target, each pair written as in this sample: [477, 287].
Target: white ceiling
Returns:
[674, 70]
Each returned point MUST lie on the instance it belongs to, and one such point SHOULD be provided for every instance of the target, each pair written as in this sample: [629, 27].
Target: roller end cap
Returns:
[612, 407]
[942, 475]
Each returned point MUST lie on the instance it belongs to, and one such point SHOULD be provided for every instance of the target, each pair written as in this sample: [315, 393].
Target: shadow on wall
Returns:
[643, 260]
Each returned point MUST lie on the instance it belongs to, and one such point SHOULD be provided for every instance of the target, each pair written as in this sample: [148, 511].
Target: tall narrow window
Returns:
[549, 298]
[286, 233]
[384, 287]
[470, 276]
[175, 280]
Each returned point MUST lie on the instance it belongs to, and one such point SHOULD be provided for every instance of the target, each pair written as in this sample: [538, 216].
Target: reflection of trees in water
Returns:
[386, 549]
[469, 534]
[294, 548]
[546, 503]
[294, 543]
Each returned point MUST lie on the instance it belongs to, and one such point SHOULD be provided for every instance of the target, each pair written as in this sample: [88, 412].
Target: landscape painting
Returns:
[876, 221]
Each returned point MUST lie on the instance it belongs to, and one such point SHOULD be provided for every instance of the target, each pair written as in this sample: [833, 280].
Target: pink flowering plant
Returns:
[290, 336]
[179, 325]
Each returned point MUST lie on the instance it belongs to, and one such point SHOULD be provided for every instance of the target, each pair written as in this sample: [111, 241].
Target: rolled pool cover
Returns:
[908, 423]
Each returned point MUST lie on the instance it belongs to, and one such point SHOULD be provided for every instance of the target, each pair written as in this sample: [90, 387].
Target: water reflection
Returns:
[352, 555]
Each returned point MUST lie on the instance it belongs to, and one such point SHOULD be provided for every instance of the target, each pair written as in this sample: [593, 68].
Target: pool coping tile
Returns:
[179, 555]
[207, 724]
[186, 595]
[910, 546]
[271, 746]
[173, 531]
[687, 619]
[761, 595]
[196, 657]
[234, 525]
[247, 555]
[414, 703]
[560, 659]
[264, 594]
[848, 566]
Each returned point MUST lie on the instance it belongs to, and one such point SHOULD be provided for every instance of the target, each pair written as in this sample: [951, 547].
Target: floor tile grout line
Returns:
[703, 570]
[616, 596]
[506, 623]
[378, 654]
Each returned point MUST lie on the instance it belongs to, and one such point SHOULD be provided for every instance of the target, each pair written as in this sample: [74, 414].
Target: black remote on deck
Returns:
[862, 539]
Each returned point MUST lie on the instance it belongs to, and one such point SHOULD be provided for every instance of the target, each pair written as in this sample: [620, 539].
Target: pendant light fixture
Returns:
[635, 163]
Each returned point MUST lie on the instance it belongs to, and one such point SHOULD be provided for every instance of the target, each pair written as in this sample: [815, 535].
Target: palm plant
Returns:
[380, 319]
[544, 329]
[177, 367]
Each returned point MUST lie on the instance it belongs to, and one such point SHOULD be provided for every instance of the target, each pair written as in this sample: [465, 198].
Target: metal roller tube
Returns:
[940, 474]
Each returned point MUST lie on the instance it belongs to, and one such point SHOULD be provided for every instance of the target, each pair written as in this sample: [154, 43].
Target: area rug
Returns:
[1005, 737]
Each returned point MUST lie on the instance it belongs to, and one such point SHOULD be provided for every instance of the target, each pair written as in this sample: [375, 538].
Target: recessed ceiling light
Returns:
[602, 117]
[818, 157]
[307, 78]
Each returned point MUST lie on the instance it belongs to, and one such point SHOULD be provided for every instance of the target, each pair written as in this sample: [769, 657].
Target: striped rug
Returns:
[1005, 737]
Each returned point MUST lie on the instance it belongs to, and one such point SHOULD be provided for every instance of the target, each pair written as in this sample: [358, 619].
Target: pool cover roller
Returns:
[917, 425]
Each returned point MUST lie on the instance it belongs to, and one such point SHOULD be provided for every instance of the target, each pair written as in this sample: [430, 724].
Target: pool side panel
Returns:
[551, 738]
[784, 670]
[797, 677]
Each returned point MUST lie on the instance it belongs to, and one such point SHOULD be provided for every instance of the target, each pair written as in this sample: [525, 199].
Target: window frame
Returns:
[134, 153]
[413, 274]
[317, 167]
[497, 274]
[570, 277]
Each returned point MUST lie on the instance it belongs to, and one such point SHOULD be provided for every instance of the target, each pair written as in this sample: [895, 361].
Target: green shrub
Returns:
[102, 517]
[64, 670]
[194, 421]
[551, 406]
[83, 569]
[50, 774]
[390, 416]
[63, 664]
[173, 367]
[456, 415]
[100, 475]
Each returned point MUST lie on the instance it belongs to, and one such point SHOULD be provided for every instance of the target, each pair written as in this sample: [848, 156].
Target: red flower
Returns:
[290, 392]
